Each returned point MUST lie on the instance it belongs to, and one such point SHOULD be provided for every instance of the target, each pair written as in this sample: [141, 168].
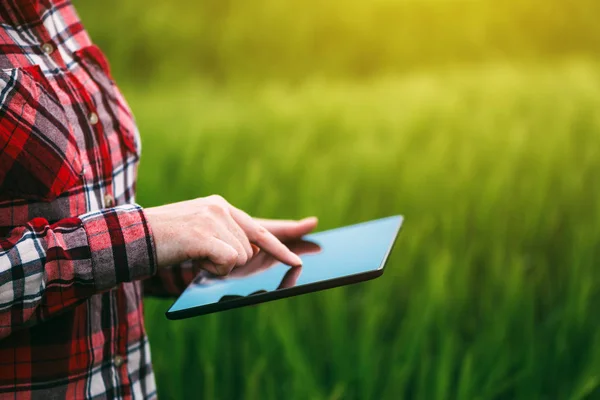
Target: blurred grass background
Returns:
[477, 120]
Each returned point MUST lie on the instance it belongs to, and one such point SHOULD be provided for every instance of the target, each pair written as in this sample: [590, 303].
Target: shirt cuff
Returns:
[121, 245]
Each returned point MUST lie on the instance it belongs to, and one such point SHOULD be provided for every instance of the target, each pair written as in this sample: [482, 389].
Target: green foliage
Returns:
[464, 115]
[225, 40]
[492, 289]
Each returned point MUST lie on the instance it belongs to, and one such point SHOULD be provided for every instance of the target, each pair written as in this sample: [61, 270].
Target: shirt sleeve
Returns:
[47, 268]
[171, 281]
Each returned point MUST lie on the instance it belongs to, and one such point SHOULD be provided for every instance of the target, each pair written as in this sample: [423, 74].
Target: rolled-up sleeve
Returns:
[121, 245]
[47, 268]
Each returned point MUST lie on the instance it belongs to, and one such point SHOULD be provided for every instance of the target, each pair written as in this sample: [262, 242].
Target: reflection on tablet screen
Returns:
[260, 267]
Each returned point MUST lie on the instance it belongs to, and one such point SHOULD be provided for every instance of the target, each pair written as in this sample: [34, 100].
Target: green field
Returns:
[493, 288]
[479, 120]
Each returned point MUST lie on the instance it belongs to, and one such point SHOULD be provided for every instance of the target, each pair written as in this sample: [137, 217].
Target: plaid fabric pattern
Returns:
[74, 246]
[171, 281]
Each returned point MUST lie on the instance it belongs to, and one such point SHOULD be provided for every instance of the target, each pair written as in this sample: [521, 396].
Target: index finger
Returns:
[265, 239]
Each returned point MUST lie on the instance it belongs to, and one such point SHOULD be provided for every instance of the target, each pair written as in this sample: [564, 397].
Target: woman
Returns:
[76, 252]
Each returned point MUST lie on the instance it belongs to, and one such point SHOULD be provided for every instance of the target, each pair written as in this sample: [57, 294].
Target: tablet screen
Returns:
[326, 256]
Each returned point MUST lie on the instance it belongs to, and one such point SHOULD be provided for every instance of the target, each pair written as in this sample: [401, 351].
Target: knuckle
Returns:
[262, 232]
[217, 209]
[217, 199]
[230, 258]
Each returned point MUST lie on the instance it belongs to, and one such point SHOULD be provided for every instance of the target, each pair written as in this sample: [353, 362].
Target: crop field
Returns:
[493, 288]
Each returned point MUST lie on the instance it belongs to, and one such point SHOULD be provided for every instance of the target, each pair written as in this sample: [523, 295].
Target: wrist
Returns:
[163, 235]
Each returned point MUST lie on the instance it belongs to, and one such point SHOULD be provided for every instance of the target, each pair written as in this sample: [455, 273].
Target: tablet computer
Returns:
[332, 258]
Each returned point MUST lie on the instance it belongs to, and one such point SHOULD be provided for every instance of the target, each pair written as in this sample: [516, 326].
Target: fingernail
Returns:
[255, 249]
[298, 262]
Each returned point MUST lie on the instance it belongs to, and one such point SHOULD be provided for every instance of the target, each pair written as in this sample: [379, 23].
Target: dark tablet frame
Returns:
[264, 297]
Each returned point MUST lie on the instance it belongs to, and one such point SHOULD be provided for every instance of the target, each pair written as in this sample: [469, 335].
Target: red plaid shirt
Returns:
[74, 246]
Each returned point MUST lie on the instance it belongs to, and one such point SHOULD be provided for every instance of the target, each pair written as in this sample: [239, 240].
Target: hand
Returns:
[264, 261]
[213, 230]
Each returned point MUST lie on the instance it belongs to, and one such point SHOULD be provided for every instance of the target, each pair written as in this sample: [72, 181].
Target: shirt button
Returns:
[109, 201]
[47, 48]
[119, 361]
[93, 117]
